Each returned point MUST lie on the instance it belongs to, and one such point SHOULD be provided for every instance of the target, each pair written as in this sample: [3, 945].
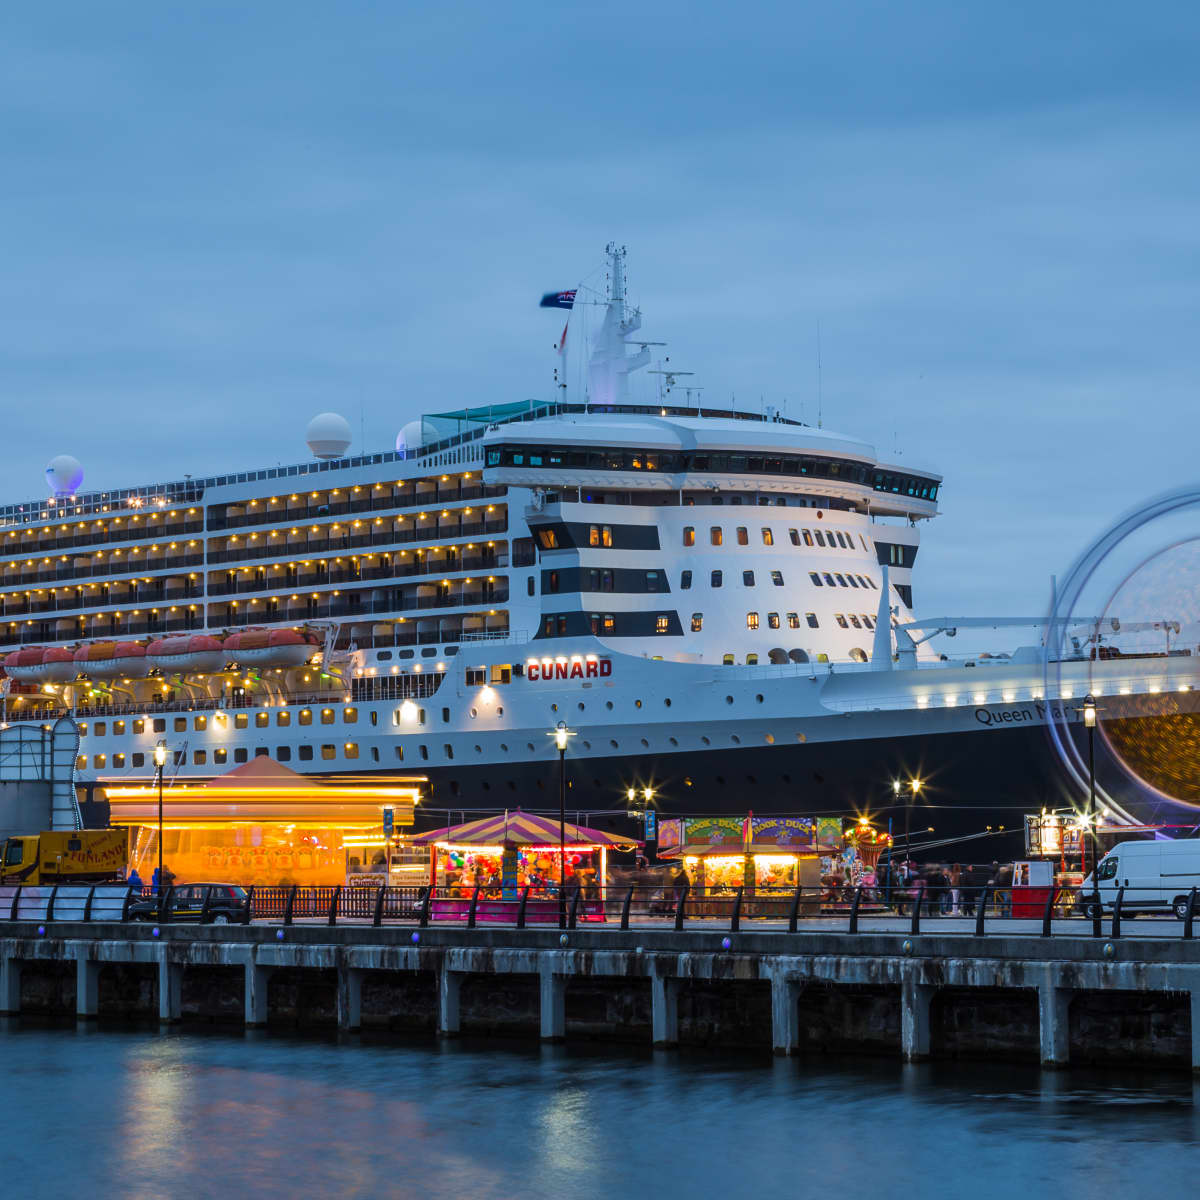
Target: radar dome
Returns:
[411, 437]
[64, 474]
[328, 435]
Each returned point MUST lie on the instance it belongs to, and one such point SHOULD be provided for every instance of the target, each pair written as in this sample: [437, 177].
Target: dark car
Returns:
[226, 904]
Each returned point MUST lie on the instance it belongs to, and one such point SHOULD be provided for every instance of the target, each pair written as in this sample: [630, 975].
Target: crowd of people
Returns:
[951, 889]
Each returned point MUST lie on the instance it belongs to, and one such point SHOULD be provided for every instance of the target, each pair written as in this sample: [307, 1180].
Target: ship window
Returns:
[715, 536]
[180, 724]
[768, 537]
[841, 537]
[772, 620]
[685, 581]
[855, 621]
[200, 723]
[689, 535]
[652, 581]
[841, 620]
[548, 538]
[424, 751]
[305, 716]
[841, 579]
[594, 622]
[816, 579]
[697, 622]
[751, 661]
[529, 584]
[825, 575]
[262, 720]
[139, 759]
[384, 656]
[351, 749]
[811, 618]
[793, 620]
[743, 538]
[81, 762]
[240, 721]
[328, 751]
[99, 760]
[661, 623]
[304, 753]
[752, 620]
[777, 578]
[501, 672]
[240, 754]
[820, 538]
[327, 716]
[727, 661]
[868, 621]
[609, 623]
[400, 753]
[552, 581]
[748, 578]
[139, 726]
[858, 655]
[476, 676]
[199, 757]
[283, 718]
[808, 539]
[283, 754]
[118, 760]
[349, 716]
[715, 579]
[852, 581]
[794, 536]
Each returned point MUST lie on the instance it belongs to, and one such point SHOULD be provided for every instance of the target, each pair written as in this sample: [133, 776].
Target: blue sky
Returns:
[219, 219]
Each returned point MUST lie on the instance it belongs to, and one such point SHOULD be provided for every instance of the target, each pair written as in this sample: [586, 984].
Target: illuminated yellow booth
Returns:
[264, 824]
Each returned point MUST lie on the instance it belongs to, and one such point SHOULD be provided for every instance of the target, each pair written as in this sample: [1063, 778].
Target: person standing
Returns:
[956, 890]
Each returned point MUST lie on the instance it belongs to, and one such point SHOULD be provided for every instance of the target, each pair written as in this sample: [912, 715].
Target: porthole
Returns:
[474, 712]
[530, 745]
[612, 743]
[645, 743]
[728, 699]
[759, 697]
[588, 746]
[504, 747]
[667, 702]
[478, 749]
[637, 704]
[687, 781]
[608, 704]
[500, 710]
[580, 706]
[704, 739]
[554, 708]
[737, 741]
[770, 739]
[673, 741]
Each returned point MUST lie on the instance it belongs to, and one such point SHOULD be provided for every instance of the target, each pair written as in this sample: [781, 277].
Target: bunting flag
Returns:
[559, 299]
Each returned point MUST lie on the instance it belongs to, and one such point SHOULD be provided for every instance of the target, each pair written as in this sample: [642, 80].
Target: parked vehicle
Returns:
[1157, 877]
[210, 903]
[75, 856]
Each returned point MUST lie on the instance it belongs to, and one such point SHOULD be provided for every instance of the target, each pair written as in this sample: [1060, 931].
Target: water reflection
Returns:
[195, 1115]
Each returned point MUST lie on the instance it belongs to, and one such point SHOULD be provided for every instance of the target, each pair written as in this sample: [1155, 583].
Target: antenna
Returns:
[820, 397]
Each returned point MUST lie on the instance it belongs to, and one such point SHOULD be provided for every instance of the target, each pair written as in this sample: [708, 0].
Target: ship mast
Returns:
[610, 364]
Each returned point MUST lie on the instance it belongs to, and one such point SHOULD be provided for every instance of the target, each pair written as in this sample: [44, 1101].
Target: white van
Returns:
[1157, 877]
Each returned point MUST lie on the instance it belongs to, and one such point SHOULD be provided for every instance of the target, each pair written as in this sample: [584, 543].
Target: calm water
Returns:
[143, 1115]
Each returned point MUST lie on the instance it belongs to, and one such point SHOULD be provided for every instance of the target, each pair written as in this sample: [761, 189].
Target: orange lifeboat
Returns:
[195, 654]
[41, 664]
[270, 648]
[107, 660]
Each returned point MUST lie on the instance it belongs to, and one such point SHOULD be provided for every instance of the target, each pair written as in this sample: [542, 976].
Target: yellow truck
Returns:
[77, 856]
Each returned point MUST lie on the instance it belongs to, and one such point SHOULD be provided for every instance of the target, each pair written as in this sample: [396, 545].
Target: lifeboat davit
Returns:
[197, 654]
[41, 664]
[270, 648]
[108, 660]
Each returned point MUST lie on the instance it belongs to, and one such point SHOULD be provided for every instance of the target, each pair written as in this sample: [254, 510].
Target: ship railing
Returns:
[926, 907]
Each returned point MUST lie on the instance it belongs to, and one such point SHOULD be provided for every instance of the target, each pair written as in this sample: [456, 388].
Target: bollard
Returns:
[981, 912]
[916, 912]
[87, 906]
[474, 906]
[735, 920]
[521, 908]
[206, 905]
[795, 913]
[1097, 912]
[164, 902]
[625, 909]
[289, 905]
[124, 907]
[1049, 913]
[333, 904]
[854, 909]
[377, 917]
[16, 904]
[575, 907]
[249, 905]
[50, 905]
[1116, 921]
[1191, 912]
[680, 900]
[426, 899]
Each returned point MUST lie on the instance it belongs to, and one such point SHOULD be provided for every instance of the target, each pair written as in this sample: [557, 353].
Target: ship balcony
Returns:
[351, 606]
[130, 530]
[60, 572]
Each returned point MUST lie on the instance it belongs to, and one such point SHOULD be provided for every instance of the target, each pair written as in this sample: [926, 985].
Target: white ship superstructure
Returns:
[718, 603]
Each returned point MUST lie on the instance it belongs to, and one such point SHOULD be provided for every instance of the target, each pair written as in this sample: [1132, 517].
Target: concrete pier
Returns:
[1043, 999]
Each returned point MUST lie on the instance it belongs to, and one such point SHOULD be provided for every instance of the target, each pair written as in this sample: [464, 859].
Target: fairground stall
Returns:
[510, 852]
[264, 824]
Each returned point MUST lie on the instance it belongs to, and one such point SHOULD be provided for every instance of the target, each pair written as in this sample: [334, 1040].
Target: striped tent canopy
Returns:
[523, 829]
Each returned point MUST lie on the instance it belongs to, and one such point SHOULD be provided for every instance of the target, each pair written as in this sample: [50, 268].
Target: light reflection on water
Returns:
[193, 1115]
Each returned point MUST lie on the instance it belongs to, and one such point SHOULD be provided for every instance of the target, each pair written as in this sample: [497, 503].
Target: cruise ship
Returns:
[717, 603]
